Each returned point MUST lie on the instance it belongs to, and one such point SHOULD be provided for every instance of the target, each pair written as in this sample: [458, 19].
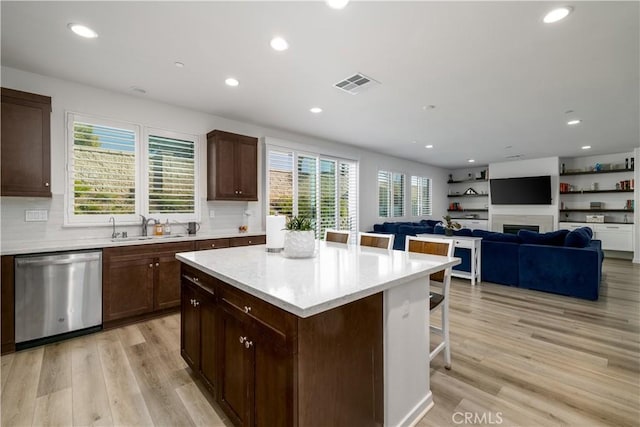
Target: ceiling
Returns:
[497, 75]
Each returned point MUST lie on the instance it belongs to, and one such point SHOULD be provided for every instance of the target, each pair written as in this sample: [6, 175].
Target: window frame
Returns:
[142, 134]
[391, 194]
[297, 153]
[420, 187]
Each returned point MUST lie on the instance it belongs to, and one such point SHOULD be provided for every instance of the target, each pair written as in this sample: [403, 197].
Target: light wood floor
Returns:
[519, 358]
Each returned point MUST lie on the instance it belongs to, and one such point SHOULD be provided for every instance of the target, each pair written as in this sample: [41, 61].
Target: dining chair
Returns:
[384, 241]
[337, 236]
[437, 246]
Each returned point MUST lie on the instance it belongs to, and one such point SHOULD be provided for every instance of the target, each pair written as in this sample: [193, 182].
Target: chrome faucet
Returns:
[114, 235]
[145, 224]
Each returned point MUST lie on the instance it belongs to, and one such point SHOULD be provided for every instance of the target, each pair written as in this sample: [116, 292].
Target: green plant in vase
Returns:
[299, 238]
[450, 225]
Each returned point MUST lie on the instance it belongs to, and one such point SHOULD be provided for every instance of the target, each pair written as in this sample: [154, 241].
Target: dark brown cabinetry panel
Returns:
[190, 324]
[232, 166]
[141, 279]
[247, 241]
[8, 309]
[25, 152]
[127, 287]
[212, 244]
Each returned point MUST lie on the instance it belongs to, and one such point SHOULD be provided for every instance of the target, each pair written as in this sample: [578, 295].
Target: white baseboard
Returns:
[418, 412]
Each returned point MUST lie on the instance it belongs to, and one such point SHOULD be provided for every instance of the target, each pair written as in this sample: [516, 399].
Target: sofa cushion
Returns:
[553, 238]
[438, 229]
[391, 227]
[429, 222]
[378, 228]
[412, 230]
[578, 238]
[462, 232]
[493, 236]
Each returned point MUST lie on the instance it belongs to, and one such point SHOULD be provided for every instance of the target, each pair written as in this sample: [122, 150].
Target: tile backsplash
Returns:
[14, 227]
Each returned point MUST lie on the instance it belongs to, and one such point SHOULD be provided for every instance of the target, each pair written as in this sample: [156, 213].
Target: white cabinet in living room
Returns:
[474, 224]
[614, 237]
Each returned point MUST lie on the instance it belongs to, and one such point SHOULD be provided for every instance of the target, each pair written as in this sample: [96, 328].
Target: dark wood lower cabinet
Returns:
[272, 368]
[8, 305]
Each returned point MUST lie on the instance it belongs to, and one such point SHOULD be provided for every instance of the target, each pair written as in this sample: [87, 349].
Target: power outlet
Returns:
[212, 213]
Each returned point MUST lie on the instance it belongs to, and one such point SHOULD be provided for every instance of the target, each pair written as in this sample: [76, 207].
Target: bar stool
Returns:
[337, 236]
[444, 247]
[375, 240]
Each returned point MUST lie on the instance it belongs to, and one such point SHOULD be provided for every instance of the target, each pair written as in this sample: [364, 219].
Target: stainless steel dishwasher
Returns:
[57, 293]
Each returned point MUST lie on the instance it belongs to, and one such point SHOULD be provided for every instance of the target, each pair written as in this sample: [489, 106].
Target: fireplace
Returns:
[544, 222]
[513, 228]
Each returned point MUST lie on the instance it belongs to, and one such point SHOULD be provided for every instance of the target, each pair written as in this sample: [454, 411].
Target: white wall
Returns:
[522, 168]
[74, 97]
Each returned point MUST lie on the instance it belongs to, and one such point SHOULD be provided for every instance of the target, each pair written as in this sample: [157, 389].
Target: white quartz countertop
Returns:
[338, 275]
[45, 245]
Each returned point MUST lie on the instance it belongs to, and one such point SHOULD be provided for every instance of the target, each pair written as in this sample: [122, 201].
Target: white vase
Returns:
[299, 244]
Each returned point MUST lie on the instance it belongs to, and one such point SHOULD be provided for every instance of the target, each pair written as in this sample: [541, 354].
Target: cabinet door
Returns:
[271, 379]
[615, 237]
[190, 327]
[208, 343]
[127, 287]
[167, 284]
[246, 163]
[8, 309]
[225, 186]
[26, 161]
[233, 366]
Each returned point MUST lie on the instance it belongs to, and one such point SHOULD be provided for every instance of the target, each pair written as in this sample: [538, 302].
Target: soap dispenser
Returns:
[167, 228]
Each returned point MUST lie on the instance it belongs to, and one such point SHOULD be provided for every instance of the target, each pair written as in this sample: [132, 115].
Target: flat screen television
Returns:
[529, 190]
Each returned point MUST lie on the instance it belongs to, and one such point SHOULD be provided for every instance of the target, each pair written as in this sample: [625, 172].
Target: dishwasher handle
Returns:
[42, 261]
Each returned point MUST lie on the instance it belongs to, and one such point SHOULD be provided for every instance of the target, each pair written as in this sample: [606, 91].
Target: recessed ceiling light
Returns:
[471, 161]
[315, 110]
[586, 147]
[428, 146]
[557, 14]
[337, 4]
[83, 31]
[574, 122]
[231, 82]
[179, 64]
[428, 107]
[279, 44]
[137, 89]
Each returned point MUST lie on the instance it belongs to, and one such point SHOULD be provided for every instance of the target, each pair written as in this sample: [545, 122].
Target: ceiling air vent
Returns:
[514, 156]
[356, 84]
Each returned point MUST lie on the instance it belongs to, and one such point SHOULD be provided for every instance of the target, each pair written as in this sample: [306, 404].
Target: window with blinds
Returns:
[420, 196]
[391, 194]
[103, 169]
[112, 171]
[318, 187]
[171, 165]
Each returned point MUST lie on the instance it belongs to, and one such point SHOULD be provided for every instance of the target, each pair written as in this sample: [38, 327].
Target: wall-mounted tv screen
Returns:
[530, 190]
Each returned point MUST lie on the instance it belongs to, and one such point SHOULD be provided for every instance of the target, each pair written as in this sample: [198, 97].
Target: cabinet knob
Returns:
[242, 339]
[46, 184]
[193, 301]
[240, 192]
[195, 279]
[196, 303]
[248, 343]
[157, 264]
[151, 265]
[250, 242]
[247, 309]
[235, 192]
[213, 245]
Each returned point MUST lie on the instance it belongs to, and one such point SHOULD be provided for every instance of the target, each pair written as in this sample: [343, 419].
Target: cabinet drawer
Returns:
[249, 240]
[197, 278]
[212, 244]
[267, 314]
[615, 237]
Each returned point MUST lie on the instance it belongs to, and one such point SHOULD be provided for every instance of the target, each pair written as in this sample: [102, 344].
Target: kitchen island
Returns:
[340, 339]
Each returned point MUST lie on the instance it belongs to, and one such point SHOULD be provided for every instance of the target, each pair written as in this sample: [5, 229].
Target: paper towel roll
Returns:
[275, 232]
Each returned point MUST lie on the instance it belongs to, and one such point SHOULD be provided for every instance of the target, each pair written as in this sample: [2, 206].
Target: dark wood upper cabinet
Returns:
[26, 146]
[232, 166]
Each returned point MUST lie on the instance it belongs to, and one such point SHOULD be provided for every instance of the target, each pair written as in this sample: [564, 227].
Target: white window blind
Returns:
[391, 192]
[114, 171]
[171, 165]
[321, 188]
[280, 170]
[102, 171]
[420, 196]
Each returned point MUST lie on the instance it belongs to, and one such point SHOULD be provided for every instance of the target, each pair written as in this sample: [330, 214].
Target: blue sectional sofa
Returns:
[561, 262]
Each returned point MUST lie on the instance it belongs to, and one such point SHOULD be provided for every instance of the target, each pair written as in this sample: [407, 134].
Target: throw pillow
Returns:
[578, 238]
[553, 238]
[462, 232]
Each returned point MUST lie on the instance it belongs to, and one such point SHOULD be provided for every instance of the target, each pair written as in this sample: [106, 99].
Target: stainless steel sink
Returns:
[133, 238]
